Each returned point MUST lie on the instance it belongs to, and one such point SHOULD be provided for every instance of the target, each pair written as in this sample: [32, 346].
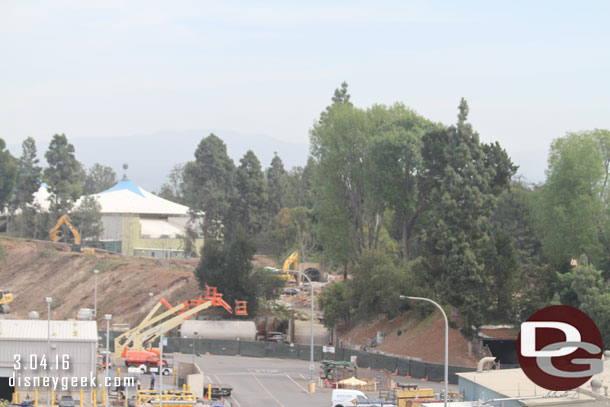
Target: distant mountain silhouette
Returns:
[151, 156]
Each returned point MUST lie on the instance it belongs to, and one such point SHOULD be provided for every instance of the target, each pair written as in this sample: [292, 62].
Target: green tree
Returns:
[62, 175]
[378, 283]
[276, 185]
[250, 199]
[395, 162]
[87, 219]
[459, 182]
[209, 184]
[338, 303]
[501, 263]
[173, 188]
[8, 173]
[515, 215]
[229, 268]
[294, 228]
[338, 146]
[269, 285]
[583, 287]
[27, 181]
[574, 211]
[99, 178]
[299, 186]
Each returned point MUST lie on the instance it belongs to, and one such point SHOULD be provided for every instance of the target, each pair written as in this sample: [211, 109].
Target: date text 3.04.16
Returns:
[36, 362]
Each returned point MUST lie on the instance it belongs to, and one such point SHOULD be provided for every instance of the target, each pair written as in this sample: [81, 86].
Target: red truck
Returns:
[145, 360]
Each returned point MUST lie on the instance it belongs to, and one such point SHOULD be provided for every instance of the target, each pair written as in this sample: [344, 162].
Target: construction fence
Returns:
[393, 364]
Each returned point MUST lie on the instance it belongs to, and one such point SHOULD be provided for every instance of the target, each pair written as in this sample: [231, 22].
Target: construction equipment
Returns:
[175, 398]
[211, 294]
[142, 336]
[285, 272]
[55, 233]
[6, 297]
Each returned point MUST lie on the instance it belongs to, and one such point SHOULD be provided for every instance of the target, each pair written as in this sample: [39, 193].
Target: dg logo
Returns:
[560, 348]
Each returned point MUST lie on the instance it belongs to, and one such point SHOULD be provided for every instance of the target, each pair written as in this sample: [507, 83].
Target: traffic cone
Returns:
[408, 375]
[396, 372]
[426, 379]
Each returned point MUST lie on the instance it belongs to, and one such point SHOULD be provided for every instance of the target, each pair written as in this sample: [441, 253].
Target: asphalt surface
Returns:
[264, 382]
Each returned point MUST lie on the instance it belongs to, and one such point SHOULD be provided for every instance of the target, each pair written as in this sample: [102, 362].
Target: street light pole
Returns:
[193, 344]
[108, 318]
[312, 316]
[402, 297]
[48, 300]
[95, 273]
[161, 367]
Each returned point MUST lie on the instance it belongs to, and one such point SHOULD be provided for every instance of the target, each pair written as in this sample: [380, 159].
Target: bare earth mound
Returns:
[424, 339]
[34, 269]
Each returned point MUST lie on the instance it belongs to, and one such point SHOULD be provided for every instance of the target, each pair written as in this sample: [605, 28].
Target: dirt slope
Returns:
[424, 339]
[33, 270]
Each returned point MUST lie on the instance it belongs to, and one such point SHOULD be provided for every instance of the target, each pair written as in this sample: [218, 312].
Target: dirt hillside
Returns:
[34, 269]
[424, 339]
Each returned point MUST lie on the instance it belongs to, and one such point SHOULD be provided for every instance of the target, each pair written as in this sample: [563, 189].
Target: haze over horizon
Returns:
[530, 71]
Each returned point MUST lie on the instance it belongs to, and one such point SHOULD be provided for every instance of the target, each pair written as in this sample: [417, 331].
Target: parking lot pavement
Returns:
[276, 382]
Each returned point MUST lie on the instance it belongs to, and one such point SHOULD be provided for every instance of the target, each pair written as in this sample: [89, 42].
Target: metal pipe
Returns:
[108, 318]
[446, 340]
[161, 367]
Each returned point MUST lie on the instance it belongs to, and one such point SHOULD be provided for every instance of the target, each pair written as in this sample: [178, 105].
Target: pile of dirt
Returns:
[34, 269]
[408, 336]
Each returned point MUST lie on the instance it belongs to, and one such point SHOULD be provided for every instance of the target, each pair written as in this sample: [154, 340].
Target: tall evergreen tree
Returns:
[8, 173]
[459, 182]
[209, 184]
[62, 175]
[248, 208]
[28, 179]
[276, 185]
[99, 178]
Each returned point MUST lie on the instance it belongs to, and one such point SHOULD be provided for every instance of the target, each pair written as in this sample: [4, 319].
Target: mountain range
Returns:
[150, 157]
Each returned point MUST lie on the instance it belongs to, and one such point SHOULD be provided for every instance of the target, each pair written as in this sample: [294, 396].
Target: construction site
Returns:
[135, 331]
[50, 334]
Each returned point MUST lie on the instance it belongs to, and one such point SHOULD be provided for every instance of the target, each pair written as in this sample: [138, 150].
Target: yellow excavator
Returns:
[292, 260]
[55, 234]
[6, 297]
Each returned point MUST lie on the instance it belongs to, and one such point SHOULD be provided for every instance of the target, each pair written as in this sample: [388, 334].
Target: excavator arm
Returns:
[64, 220]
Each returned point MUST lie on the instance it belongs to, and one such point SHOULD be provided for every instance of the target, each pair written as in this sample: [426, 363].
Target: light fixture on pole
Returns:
[95, 273]
[108, 317]
[404, 297]
[49, 300]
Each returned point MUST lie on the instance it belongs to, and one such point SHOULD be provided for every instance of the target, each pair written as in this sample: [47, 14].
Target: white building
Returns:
[35, 349]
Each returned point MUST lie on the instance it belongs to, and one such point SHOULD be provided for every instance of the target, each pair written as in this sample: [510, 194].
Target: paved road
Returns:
[263, 382]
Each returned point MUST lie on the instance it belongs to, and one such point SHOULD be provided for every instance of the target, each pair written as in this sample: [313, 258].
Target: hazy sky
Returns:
[530, 70]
